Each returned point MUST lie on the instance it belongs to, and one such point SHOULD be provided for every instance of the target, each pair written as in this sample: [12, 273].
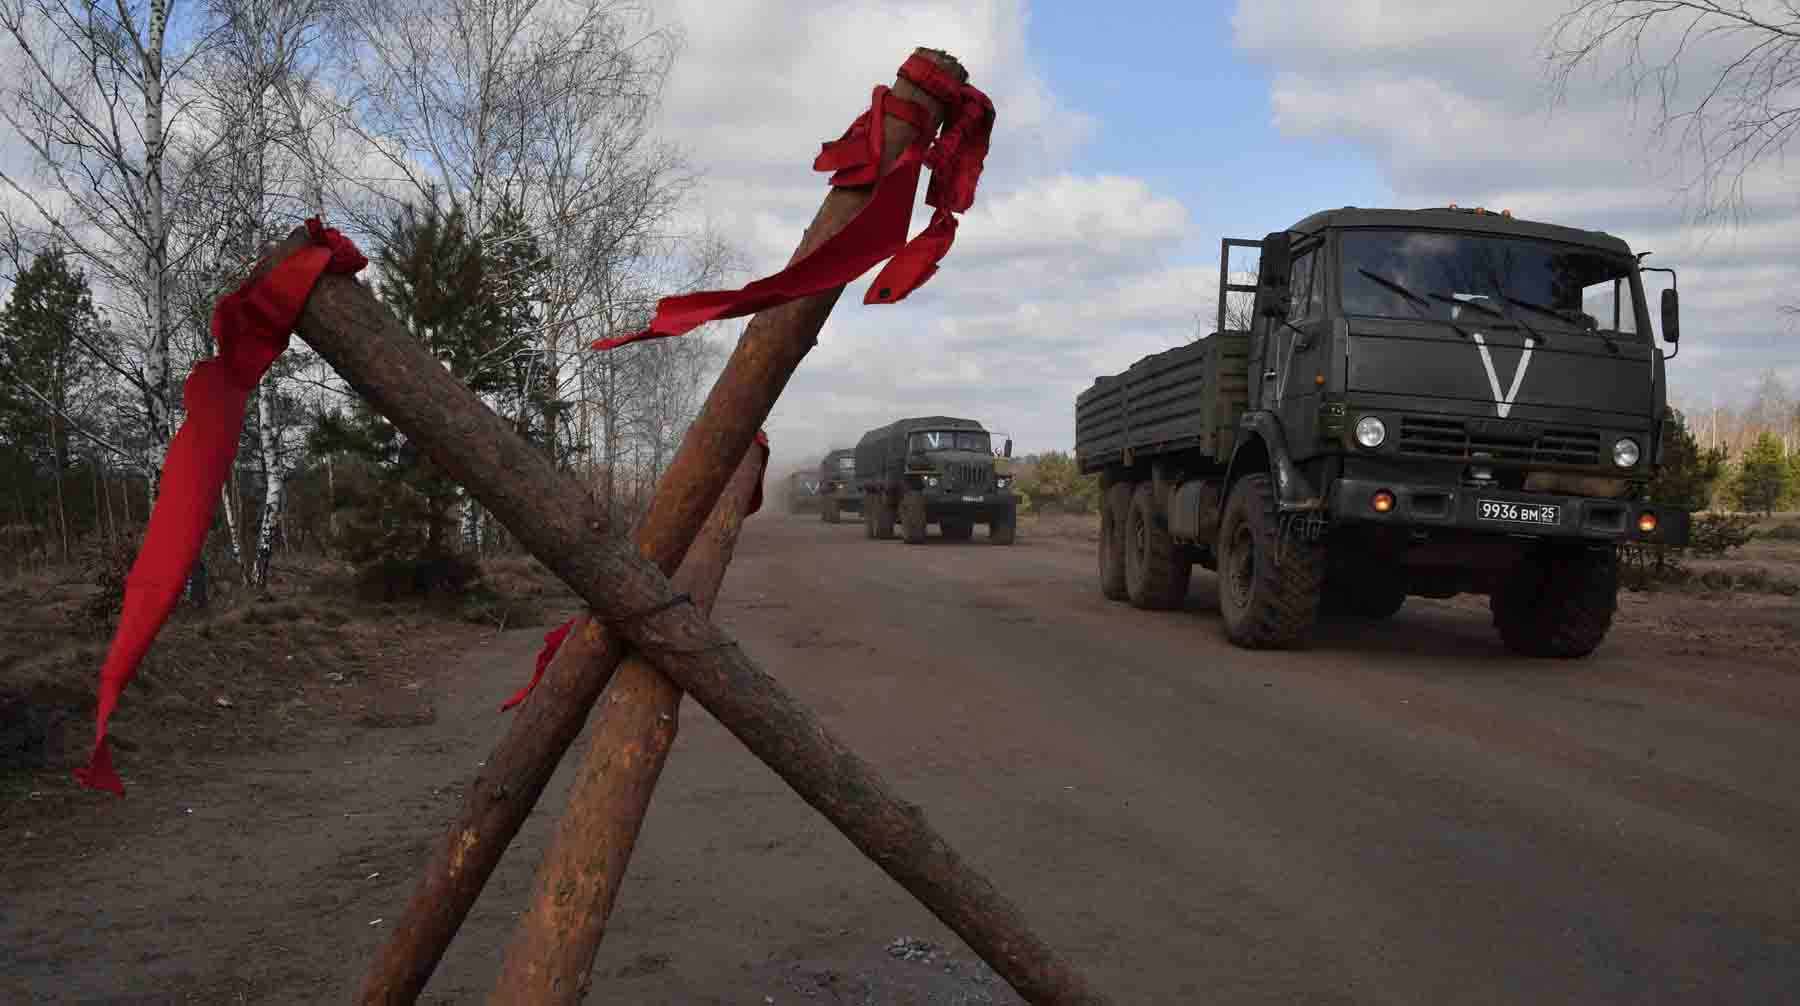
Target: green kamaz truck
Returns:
[1426, 402]
[934, 470]
[838, 491]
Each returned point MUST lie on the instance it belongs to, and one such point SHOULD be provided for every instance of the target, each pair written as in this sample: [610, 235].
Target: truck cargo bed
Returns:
[1186, 398]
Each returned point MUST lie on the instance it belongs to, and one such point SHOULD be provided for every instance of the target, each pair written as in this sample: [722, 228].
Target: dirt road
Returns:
[1404, 814]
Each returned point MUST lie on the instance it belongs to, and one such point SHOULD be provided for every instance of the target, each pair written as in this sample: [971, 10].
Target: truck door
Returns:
[1291, 353]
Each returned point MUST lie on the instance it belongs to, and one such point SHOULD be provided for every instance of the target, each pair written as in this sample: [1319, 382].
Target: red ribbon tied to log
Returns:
[250, 326]
[878, 232]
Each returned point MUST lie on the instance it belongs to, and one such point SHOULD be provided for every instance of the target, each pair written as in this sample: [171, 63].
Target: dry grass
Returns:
[244, 672]
[1068, 529]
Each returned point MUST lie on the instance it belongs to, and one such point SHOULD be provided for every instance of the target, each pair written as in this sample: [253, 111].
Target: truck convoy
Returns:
[1425, 402]
[934, 470]
[838, 490]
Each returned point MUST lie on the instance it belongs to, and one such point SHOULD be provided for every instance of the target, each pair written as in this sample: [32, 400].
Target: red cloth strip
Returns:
[878, 232]
[250, 326]
[554, 639]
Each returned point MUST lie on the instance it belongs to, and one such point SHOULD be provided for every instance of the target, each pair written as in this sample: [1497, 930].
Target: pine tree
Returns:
[47, 317]
[397, 516]
[1689, 473]
[1763, 481]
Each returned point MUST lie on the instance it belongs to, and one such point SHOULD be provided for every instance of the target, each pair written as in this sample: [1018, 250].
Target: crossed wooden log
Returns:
[641, 645]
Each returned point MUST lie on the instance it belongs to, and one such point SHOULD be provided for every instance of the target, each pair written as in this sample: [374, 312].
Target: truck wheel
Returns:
[828, 511]
[884, 518]
[958, 530]
[912, 517]
[1156, 569]
[1003, 528]
[1559, 603]
[1269, 588]
[1115, 511]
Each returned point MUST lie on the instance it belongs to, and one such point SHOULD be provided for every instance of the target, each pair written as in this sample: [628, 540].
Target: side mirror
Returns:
[1272, 274]
[1671, 316]
[1006, 452]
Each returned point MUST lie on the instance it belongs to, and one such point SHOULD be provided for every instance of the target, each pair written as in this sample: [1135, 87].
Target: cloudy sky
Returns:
[1131, 138]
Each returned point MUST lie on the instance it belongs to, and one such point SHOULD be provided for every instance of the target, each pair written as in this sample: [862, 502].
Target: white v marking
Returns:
[1503, 403]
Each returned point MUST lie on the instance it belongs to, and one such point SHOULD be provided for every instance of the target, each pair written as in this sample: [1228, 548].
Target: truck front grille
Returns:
[977, 478]
[1498, 440]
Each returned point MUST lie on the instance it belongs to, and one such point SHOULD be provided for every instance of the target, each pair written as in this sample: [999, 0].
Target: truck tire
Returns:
[957, 529]
[1115, 511]
[1003, 528]
[828, 511]
[1156, 569]
[884, 518]
[913, 517]
[1269, 589]
[1558, 604]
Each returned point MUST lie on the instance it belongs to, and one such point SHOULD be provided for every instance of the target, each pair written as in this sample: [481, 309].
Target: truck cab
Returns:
[838, 490]
[1430, 402]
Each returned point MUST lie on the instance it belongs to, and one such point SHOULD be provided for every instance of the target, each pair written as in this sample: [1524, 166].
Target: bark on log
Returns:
[514, 776]
[552, 951]
[559, 523]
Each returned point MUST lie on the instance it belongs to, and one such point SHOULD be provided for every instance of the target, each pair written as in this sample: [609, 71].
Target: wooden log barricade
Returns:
[624, 583]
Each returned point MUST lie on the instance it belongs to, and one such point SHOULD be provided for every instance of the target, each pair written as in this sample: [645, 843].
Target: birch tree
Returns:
[90, 105]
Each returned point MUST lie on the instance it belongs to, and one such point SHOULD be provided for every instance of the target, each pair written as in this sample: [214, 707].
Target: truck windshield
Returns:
[961, 440]
[1472, 277]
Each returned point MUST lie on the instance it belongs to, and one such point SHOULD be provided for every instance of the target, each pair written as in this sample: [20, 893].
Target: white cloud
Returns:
[1454, 102]
[1054, 278]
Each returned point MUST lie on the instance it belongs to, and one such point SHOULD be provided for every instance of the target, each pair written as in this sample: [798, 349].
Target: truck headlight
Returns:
[1003, 481]
[931, 480]
[1625, 452]
[1371, 432]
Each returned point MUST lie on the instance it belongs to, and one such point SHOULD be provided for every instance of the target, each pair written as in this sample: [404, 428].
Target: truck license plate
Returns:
[971, 499]
[1519, 513]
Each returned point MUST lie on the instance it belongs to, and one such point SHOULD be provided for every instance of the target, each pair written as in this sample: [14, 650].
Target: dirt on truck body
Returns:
[1427, 402]
[934, 470]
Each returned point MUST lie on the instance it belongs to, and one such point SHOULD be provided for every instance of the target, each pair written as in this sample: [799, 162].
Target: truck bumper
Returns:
[1494, 511]
[849, 499]
[938, 501]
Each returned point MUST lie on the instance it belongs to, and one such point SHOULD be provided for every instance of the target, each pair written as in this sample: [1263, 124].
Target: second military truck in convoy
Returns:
[838, 490]
[934, 470]
[1425, 402]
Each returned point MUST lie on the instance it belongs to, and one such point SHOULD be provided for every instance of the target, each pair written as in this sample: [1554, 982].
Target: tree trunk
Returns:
[156, 246]
[273, 482]
[231, 523]
[552, 950]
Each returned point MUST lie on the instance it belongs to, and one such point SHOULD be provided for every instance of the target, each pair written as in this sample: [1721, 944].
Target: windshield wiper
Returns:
[1419, 304]
[1477, 305]
[1396, 287]
[1612, 345]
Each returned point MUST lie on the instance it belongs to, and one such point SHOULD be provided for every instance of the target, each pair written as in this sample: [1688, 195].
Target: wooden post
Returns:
[555, 519]
[515, 775]
[552, 950]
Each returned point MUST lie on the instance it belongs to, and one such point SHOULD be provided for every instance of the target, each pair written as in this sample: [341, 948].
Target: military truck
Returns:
[1425, 402]
[838, 489]
[802, 491]
[934, 470]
